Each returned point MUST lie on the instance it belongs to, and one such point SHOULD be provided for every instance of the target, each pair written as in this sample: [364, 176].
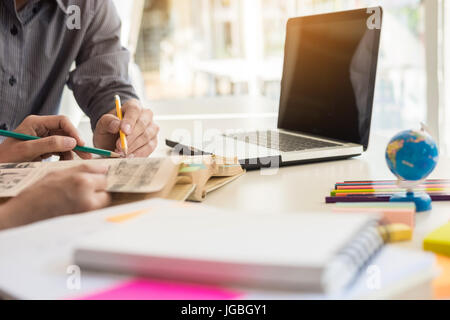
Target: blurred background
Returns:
[208, 48]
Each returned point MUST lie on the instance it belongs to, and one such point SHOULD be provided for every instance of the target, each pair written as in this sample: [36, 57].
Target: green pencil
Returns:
[25, 137]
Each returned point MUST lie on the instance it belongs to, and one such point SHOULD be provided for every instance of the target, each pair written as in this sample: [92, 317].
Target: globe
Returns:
[412, 155]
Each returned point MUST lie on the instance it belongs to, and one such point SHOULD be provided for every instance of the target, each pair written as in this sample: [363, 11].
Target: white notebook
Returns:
[303, 252]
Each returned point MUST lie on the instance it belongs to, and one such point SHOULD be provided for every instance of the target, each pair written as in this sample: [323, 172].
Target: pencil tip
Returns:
[114, 155]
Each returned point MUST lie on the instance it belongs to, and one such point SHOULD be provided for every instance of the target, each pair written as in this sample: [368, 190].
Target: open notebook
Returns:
[304, 252]
[130, 180]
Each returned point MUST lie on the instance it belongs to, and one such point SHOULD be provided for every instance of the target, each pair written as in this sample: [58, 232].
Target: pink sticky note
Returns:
[141, 289]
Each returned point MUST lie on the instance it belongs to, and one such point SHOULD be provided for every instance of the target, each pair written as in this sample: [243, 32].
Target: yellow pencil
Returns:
[123, 139]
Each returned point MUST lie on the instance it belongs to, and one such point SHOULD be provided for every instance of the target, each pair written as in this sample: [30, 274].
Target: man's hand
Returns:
[59, 137]
[60, 193]
[137, 125]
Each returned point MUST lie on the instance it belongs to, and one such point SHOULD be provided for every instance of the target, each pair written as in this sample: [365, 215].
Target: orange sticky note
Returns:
[125, 217]
[441, 285]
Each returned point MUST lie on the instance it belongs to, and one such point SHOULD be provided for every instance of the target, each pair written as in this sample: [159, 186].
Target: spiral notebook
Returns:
[303, 252]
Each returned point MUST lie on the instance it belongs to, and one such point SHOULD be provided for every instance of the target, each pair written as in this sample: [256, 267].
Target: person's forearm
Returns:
[15, 213]
[5, 214]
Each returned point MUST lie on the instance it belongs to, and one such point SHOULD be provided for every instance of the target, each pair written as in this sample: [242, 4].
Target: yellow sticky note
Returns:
[438, 241]
[396, 233]
[125, 217]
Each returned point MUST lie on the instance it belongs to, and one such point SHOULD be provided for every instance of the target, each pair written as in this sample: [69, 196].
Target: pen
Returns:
[123, 139]
[25, 137]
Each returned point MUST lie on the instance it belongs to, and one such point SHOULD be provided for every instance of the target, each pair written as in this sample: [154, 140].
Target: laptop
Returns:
[327, 93]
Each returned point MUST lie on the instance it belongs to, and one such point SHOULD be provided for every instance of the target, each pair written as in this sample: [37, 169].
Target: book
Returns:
[209, 174]
[304, 252]
[130, 180]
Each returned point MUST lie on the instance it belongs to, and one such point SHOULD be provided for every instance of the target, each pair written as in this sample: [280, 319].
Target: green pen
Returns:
[25, 137]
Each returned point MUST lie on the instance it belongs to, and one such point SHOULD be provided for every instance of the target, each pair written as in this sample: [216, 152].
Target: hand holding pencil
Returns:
[40, 137]
[128, 129]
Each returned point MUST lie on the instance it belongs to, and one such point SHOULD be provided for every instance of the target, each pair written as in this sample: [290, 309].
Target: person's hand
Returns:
[64, 192]
[137, 125]
[59, 137]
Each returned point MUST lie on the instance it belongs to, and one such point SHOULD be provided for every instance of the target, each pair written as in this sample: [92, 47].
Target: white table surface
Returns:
[289, 189]
[294, 189]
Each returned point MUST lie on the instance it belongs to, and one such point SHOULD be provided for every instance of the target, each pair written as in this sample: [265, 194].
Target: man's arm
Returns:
[58, 137]
[101, 73]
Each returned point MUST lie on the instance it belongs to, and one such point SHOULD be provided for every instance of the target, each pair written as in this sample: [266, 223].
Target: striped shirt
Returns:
[40, 43]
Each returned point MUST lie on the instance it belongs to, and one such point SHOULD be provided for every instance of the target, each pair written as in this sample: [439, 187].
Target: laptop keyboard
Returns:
[281, 141]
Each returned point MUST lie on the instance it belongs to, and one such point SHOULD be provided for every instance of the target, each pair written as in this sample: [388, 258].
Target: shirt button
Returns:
[14, 30]
[12, 81]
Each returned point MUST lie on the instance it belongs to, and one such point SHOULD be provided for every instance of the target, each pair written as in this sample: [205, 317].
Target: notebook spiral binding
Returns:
[353, 258]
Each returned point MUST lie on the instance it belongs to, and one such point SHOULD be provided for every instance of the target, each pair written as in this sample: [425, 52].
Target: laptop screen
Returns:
[329, 75]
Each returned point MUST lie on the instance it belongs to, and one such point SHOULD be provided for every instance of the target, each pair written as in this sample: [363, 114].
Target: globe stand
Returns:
[421, 199]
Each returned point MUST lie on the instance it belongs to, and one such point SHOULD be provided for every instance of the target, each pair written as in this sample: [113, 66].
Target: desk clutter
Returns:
[397, 219]
[175, 245]
[130, 180]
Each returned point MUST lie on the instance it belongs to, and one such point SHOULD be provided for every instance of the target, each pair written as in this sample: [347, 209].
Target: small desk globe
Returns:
[411, 156]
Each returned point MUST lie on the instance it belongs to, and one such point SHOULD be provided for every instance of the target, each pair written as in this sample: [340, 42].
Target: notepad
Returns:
[438, 241]
[311, 252]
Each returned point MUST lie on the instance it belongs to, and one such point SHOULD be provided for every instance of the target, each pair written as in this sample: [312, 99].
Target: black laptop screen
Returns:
[329, 76]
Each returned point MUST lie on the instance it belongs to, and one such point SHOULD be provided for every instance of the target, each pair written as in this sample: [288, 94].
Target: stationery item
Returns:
[123, 139]
[25, 137]
[188, 168]
[383, 190]
[378, 198]
[49, 246]
[131, 180]
[392, 213]
[392, 233]
[382, 186]
[394, 273]
[125, 217]
[205, 245]
[438, 241]
[125, 177]
[144, 289]
[393, 182]
[441, 284]
[208, 173]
